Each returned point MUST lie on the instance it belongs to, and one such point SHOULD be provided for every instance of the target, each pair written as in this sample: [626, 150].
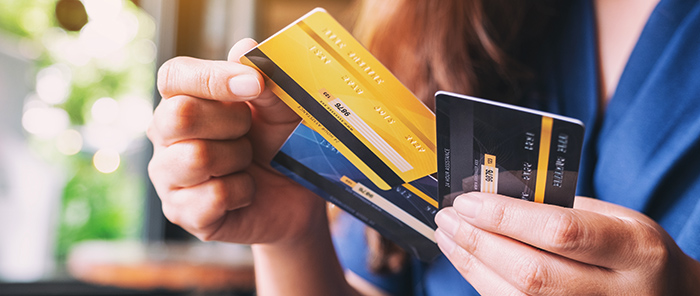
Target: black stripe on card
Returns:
[305, 100]
[396, 230]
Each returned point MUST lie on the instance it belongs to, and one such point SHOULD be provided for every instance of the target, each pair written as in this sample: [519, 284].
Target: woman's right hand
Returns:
[214, 134]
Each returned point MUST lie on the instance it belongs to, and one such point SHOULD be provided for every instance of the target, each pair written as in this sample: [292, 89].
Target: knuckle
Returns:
[219, 192]
[655, 251]
[567, 232]
[212, 82]
[499, 217]
[243, 190]
[531, 277]
[184, 115]
[171, 213]
[470, 237]
[166, 74]
[237, 125]
[152, 169]
[158, 176]
[205, 237]
[196, 156]
[152, 132]
[243, 116]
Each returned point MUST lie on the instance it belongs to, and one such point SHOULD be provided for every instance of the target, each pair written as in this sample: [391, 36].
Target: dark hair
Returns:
[477, 47]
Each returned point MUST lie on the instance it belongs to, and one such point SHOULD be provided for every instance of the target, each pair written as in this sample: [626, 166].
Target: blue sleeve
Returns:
[351, 246]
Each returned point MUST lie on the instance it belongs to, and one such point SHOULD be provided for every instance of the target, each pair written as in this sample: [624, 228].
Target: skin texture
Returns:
[505, 246]
[217, 128]
[215, 132]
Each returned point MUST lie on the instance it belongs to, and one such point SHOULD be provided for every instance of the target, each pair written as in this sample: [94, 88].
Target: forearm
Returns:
[306, 267]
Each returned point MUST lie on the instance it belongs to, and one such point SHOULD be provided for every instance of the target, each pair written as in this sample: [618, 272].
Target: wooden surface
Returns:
[170, 266]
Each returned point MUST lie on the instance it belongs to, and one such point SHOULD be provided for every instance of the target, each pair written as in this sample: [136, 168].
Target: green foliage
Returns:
[26, 18]
[99, 206]
[94, 205]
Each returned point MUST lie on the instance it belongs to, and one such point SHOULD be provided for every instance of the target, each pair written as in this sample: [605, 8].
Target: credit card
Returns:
[498, 148]
[342, 92]
[405, 214]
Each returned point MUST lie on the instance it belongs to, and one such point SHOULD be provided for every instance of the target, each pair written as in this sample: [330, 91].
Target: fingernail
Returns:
[448, 221]
[446, 244]
[244, 86]
[468, 205]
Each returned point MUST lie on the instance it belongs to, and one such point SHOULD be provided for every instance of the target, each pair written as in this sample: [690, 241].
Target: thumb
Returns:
[272, 119]
[240, 48]
[268, 106]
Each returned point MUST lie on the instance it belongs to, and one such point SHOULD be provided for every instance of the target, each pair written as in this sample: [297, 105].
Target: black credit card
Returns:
[493, 147]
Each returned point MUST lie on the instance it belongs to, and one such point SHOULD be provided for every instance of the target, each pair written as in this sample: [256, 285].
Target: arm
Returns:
[308, 266]
[505, 246]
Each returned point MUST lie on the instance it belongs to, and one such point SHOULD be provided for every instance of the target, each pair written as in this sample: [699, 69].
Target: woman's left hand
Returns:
[507, 246]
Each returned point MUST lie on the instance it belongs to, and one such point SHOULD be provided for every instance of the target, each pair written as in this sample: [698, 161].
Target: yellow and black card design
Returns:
[367, 144]
[499, 148]
[342, 92]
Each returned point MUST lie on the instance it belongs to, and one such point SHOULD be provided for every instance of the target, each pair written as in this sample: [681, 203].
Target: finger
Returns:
[213, 80]
[272, 195]
[191, 162]
[185, 117]
[240, 48]
[273, 109]
[530, 270]
[274, 120]
[482, 278]
[202, 209]
[580, 235]
[606, 208]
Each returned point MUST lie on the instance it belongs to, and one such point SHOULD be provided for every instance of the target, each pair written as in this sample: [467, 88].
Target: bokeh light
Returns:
[88, 102]
[70, 142]
[106, 160]
[105, 110]
[101, 136]
[103, 9]
[53, 84]
[136, 114]
[34, 20]
[45, 123]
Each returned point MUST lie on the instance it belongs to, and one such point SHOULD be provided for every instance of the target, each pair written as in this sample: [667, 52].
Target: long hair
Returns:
[482, 48]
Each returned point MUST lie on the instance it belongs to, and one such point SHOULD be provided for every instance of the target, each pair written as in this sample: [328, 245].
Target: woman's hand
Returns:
[506, 246]
[215, 133]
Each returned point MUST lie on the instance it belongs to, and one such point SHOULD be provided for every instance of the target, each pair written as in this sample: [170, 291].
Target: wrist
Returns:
[311, 228]
[306, 265]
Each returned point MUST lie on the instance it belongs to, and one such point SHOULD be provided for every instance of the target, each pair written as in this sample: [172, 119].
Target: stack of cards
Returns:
[368, 145]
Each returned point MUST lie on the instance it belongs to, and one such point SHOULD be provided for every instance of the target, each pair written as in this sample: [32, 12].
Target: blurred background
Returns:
[78, 215]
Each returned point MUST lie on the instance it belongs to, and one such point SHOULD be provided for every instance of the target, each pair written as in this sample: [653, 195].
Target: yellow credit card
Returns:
[345, 94]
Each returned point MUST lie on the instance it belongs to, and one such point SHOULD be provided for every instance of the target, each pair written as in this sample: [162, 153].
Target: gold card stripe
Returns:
[543, 161]
[421, 194]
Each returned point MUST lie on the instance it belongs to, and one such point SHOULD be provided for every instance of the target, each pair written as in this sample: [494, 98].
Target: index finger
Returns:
[584, 236]
[213, 80]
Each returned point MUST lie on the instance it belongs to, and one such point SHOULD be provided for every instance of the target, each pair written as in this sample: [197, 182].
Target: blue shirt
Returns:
[642, 153]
